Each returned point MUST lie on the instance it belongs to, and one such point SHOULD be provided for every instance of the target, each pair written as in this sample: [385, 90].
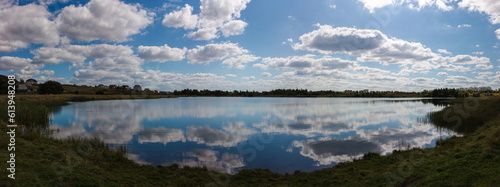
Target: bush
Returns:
[51, 87]
[99, 92]
[81, 99]
[3, 84]
[370, 155]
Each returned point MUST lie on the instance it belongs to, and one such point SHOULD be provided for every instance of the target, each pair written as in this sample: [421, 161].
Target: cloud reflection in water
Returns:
[161, 135]
[327, 151]
[213, 160]
[326, 130]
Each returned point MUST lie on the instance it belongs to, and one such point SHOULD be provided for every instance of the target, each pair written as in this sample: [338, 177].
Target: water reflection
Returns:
[327, 151]
[161, 135]
[225, 162]
[219, 132]
[382, 141]
[212, 137]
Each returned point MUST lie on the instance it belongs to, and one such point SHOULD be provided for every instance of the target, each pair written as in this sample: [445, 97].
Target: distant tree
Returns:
[50, 87]
[445, 92]
[4, 84]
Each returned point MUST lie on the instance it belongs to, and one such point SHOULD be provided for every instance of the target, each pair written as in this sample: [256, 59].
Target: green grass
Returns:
[459, 161]
[71, 89]
[34, 118]
[81, 99]
[43, 161]
[471, 160]
[466, 115]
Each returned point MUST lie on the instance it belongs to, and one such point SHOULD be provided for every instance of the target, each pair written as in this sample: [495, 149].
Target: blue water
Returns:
[230, 133]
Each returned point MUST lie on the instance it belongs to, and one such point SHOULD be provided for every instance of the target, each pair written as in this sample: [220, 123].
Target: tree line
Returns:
[441, 92]
[54, 87]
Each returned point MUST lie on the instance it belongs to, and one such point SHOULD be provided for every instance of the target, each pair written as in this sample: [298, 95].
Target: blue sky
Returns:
[405, 45]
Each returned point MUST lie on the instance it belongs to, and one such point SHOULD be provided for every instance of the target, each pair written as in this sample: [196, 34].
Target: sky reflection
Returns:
[227, 134]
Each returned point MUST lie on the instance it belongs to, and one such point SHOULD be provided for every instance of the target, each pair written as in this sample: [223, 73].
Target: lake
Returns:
[230, 133]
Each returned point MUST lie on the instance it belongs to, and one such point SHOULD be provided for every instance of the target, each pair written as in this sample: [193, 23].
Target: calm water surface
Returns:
[228, 134]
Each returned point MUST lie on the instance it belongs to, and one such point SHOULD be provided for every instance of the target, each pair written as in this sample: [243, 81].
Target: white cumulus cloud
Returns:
[397, 51]
[215, 17]
[24, 67]
[22, 25]
[107, 20]
[217, 12]
[442, 74]
[308, 65]
[267, 74]
[9, 63]
[464, 59]
[464, 25]
[77, 54]
[161, 53]
[327, 39]
[239, 61]
[212, 52]
[484, 66]
[490, 7]
[121, 64]
[248, 78]
[372, 5]
[373, 46]
[304, 62]
[206, 33]
[444, 51]
[181, 18]
[30, 73]
[53, 55]
[234, 27]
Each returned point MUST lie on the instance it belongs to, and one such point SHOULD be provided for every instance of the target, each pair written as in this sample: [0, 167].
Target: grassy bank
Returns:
[42, 161]
[471, 160]
[467, 115]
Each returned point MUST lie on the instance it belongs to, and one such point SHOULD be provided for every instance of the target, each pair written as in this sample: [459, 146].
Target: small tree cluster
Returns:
[51, 87]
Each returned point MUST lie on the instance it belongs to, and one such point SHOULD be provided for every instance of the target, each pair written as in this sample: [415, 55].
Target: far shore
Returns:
[73, 97]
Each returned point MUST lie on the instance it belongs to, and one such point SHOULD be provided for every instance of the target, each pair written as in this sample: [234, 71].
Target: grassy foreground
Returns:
[471, 160]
